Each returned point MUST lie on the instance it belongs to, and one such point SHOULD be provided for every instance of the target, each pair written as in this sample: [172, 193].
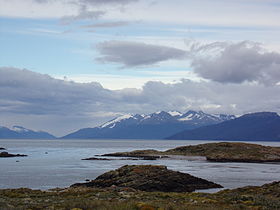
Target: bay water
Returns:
[58, 163]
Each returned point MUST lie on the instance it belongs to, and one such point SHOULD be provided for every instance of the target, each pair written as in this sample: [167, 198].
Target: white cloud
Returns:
[204, 12]
[72, 9]
[237, 63]
[247, 13]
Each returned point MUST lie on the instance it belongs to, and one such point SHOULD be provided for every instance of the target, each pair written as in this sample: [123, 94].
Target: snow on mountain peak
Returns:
[162, 116]
[175, 113]
[19, 129]
[113, 122]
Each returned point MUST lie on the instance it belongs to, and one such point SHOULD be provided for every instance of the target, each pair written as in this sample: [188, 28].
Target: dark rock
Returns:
[150, 178]
[94, 158]
[136, 158]
[150, 158]
[6, 154]
[2, 148]
[140, 154]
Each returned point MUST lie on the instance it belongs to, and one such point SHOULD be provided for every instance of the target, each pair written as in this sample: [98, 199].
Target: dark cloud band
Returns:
[28, 96]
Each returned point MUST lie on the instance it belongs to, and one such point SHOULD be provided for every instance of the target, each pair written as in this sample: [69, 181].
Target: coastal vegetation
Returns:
[124, 198]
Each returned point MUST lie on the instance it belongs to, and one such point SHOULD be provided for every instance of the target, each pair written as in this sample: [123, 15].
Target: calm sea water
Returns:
[57, 163]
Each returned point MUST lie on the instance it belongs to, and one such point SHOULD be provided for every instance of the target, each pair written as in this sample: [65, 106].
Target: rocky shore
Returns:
[219, 152]
[150, 178]
[6, 155]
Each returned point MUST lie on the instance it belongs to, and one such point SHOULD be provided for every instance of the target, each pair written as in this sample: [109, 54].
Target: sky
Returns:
[70, 64]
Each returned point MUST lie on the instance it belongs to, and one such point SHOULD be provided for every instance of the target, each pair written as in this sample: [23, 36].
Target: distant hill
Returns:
[157, 125]
[18, 132]
[263, 126]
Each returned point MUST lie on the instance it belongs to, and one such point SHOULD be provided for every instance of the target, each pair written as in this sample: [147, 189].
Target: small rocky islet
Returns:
[218, 152]
[7, 155]
[150, 178]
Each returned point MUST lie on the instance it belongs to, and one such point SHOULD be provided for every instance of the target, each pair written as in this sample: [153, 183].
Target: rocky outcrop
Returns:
[6, 155]
[2, 148]
[94, 158]
[150, 178]
[150, 154]
[231, 152]
[219, 152]
[136, 158]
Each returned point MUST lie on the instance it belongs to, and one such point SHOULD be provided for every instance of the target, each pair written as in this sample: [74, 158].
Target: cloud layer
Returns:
[192, 12]
[89, 9]
[237, 63]
[42, 102]
[219, 61]
[133, 54]
[90, 2]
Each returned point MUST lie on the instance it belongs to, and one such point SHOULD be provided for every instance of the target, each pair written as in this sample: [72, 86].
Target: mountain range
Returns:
[18, 132]
[264, 126]
[192, 125]
[157, 125]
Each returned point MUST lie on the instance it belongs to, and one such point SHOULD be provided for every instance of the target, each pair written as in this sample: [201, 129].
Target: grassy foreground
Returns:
[114, 198]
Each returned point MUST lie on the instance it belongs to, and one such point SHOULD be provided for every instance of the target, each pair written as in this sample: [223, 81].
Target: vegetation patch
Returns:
[120, 198]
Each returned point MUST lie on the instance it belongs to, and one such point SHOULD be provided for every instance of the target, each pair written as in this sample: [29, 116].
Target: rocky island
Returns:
[219, 152]
[150, 178]
[6, 155]
[2, 148]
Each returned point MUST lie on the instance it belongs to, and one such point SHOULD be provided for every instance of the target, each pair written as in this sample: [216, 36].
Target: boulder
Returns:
[150, 178]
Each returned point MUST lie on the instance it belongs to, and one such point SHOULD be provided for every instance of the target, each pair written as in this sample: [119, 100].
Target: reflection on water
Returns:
[57, 163]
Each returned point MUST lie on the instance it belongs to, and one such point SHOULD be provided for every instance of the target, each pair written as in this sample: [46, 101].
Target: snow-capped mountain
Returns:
[190, 117]
[261, 126]
[19, 132]
[156, 125]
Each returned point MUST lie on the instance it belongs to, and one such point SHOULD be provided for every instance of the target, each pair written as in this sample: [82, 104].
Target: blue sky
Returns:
[144, 45]
[34, 34]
